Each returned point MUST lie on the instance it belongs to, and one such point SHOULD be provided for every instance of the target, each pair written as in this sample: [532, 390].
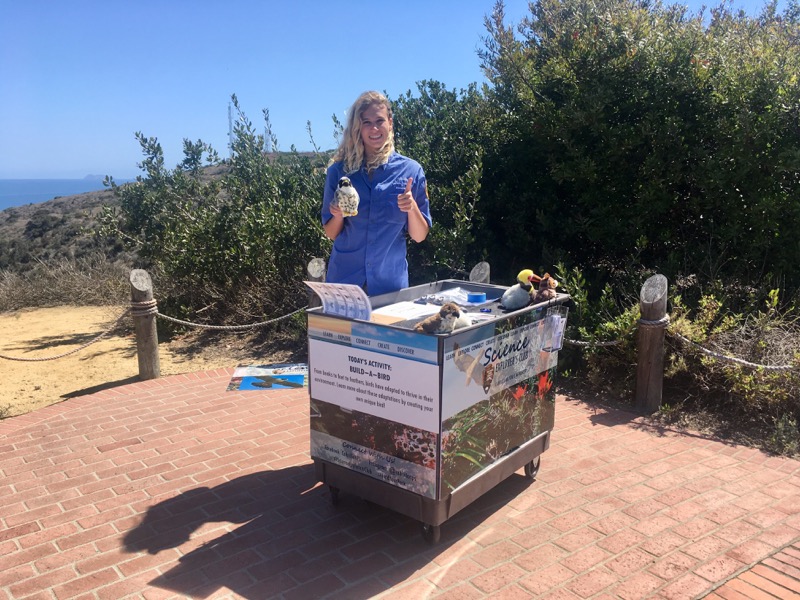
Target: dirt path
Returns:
[46, 332]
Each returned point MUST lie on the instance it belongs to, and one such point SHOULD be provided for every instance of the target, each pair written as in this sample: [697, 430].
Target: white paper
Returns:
[407, 310]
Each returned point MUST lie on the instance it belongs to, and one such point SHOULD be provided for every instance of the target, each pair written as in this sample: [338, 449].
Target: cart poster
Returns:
[474, 371]
[497, 392]
[400, 456]
[375, 413]
[379, 338]
[381, 385]
[269, 377]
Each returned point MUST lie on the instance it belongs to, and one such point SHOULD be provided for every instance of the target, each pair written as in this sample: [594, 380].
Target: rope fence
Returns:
[731, 359]
[687, 342]
[149, 308]
[74, 350]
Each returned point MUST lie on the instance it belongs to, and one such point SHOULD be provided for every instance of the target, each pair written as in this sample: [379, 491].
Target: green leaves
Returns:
[253, 224]
[623, 119]
[443, 130]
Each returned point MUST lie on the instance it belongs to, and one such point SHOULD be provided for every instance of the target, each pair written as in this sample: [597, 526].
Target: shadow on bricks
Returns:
[290, 533]
[612, 416]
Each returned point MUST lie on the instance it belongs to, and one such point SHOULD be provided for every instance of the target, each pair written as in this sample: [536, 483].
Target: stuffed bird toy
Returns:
[449, 317]
[346, 198]
[519, 295]
[547, 289]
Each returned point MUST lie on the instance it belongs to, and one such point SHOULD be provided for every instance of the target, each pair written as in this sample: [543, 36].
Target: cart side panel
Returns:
[497, 392]
[375, 412]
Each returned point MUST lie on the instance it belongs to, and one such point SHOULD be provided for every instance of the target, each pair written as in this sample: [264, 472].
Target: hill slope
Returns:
[59, 228]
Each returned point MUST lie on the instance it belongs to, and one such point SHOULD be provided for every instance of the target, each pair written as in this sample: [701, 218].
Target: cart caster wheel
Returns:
[532, 468]
[431, 533]
[334, 496]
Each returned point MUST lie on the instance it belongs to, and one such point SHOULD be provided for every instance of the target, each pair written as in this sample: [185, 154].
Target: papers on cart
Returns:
[343, 299]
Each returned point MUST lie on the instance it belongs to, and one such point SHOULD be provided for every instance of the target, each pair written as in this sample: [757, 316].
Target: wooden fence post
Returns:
[316, 272]
[652, 326]
[480, 273]
[144, 323]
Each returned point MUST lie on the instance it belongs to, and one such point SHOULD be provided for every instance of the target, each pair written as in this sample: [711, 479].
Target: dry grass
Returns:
[91, 281]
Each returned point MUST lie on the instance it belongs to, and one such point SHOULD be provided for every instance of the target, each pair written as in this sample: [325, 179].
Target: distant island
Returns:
[94, 178]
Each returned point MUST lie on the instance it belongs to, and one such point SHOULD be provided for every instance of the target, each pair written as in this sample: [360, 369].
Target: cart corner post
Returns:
[316, 272]
[144, 323]
[652, 326]
[480, 273]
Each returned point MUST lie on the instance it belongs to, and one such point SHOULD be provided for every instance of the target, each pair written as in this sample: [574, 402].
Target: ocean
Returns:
[18, 192]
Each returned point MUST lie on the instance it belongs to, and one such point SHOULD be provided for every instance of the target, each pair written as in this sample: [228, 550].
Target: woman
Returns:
[369, 249]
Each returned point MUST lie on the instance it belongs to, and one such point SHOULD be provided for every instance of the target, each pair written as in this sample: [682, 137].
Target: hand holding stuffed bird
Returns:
[346, 198]
[519, 295]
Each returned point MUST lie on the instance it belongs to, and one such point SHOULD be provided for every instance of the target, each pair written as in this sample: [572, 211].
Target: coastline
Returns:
[21, 192]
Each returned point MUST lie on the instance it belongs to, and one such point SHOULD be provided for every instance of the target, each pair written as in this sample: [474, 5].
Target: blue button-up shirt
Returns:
[371, 248]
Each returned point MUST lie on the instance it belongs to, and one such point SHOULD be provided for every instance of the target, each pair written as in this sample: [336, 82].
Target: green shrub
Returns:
[769, 337]
[442, 130]
[236, 244]
[636, 125]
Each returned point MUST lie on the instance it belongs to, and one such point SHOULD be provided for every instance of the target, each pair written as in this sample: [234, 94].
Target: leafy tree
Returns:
[442, 130]
[633, 129]
[239, 242]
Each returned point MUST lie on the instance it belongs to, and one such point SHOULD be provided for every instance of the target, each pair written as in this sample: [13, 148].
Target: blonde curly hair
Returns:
[351, 149]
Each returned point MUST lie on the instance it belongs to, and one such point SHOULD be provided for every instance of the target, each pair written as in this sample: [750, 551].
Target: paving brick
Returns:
[664, 543]
[585, 559]
[85, 583]
[719, 569]
[46, 581]
[19, 531]
[16, 574]
[673, 566]
[578, 539]
[775, 576]
[592, 583]
[614, 522]
[688, 586]
[452, 574]
[779, 535]
[637, 587]
[497, 554]
[619, 510]
[655, 525]
[630, 562]
[768, 585]
[547, 578]
[785, 564]
[706, 548]
[727, 592]
[621, 541]
[497, 578]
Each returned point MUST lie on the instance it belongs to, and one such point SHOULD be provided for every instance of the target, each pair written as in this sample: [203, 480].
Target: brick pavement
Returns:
[176, 488]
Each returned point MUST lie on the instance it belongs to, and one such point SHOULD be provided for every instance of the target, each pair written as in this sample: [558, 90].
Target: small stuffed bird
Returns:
[346, 198]
[519, 295]
[547, 289]
[463, 320]
[442, 322]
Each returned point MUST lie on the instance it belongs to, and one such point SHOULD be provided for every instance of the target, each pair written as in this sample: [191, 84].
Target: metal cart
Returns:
[424, 424]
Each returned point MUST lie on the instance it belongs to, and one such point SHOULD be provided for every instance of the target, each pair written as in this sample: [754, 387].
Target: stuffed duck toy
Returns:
[519, 295]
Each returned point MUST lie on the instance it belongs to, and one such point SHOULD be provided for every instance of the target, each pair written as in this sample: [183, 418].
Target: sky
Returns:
[78, 78]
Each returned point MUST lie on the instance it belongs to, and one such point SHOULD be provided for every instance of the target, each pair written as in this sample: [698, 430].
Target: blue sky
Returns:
[78, 78]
